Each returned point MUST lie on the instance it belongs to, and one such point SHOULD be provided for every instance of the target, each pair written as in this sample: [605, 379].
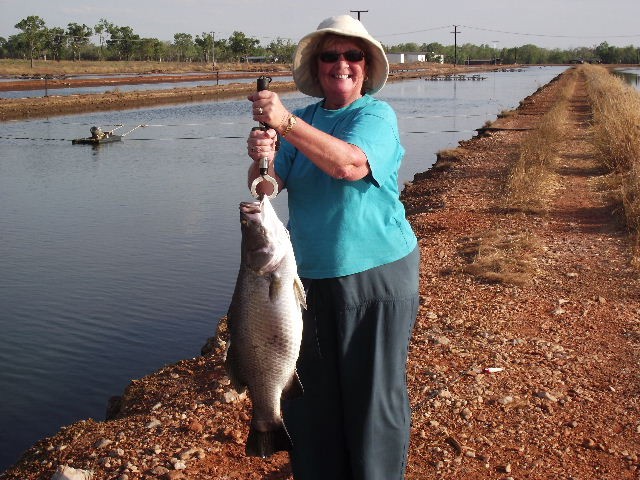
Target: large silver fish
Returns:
[265, 325]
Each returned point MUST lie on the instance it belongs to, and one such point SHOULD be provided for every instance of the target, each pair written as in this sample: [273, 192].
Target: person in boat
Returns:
[98, 134]
[356, 254]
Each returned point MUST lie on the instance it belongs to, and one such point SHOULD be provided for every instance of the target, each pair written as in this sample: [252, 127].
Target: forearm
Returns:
[333, 156]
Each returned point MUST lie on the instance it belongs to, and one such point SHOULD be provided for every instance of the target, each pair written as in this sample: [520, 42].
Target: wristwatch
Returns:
[291, 122]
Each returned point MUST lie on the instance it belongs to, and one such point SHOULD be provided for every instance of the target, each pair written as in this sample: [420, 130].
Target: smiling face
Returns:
[341, 81]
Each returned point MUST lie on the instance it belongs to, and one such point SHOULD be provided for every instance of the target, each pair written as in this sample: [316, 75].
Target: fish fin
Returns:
[265, 444]
[230, 367]
[275, 286]
[293, 388]
[299, 290]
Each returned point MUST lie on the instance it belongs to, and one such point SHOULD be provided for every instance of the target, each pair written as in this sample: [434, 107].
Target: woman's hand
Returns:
[268, 109]
[261, 144]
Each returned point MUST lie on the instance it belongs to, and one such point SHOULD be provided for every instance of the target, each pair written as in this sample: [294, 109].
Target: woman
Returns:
[355, 251]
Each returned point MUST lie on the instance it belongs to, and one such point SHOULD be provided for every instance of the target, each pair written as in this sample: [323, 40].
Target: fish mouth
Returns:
[262, 250]
[250, 208]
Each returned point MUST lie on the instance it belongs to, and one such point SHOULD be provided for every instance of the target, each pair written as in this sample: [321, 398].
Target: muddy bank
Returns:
[42, 107]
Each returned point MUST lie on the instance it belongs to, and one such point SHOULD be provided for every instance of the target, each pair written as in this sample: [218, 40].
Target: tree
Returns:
[240, 45]
[281, 50]
[204, 45]
[55, 42]
[33, 28]
[530, 54]
[100, 29]
[150, 49]
[184, 45]
[78, 36]
[122, 40]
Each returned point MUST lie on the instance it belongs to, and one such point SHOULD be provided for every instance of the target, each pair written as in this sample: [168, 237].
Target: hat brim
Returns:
[377, 63]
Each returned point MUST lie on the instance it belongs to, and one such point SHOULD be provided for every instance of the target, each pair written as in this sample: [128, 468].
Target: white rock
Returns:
[64, 472]
[232, 396]
[179, 465]
[103, 442]
[153, 424]
[466, 414]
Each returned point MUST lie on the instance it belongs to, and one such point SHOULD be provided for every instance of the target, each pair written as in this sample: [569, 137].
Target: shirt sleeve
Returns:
[374, 129]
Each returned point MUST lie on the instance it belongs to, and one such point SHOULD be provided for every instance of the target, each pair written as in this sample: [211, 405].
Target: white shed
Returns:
[415, 57]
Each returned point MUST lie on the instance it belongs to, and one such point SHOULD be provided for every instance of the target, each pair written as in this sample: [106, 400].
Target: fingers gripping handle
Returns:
[263, 84]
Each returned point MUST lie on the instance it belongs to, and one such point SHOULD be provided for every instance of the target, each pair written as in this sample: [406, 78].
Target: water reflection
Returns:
[631, 76]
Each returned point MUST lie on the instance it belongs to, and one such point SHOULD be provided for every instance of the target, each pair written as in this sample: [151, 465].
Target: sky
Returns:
[560, 24]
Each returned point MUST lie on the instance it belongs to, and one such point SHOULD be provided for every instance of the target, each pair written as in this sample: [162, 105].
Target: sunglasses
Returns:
[349, 56]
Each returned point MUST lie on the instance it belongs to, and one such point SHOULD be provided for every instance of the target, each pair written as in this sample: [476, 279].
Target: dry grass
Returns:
[447, 158]
[507, 257]
[500, 256]
[22, 67]
[531, 178]
[616, 134]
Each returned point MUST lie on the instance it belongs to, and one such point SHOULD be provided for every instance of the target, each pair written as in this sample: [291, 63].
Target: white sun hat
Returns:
[347, 26]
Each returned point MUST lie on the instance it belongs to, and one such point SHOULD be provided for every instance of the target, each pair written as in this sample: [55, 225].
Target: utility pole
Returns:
[359, 12]
[495, 51]
[213, 50]
[455, 44]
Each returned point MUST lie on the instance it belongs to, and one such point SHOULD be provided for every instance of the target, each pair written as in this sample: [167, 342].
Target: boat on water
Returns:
[96, 141]
[98, 137]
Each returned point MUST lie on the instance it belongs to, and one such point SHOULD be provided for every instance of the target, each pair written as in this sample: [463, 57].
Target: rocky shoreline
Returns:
[537, 380]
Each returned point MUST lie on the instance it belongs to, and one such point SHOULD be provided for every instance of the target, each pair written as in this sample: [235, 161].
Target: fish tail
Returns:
[265, 444]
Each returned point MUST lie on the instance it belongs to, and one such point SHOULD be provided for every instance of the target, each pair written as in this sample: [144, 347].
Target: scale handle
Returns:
[262, 83]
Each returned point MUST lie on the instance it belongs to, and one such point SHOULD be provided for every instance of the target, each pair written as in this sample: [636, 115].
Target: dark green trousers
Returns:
[353, 421]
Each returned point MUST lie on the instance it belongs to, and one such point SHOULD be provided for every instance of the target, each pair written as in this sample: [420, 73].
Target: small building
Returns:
[407, 57]
[395, 57]
[415, 57]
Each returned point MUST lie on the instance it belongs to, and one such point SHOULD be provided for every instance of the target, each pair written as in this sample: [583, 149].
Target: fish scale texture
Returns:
[265, 324]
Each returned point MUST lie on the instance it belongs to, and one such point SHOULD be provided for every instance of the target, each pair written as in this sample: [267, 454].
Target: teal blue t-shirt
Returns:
[341, 227]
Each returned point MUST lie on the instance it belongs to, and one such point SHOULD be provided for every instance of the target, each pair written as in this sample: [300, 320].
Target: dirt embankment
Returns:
[563, 403]
[53, 105]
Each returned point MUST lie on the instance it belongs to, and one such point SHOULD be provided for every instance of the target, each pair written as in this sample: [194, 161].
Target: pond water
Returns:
[120, 259]
[125, 88]
[631, 76]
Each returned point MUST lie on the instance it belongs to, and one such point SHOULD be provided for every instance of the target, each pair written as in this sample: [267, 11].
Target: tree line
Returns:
[115, 42]
[526, 54]
[37, 40]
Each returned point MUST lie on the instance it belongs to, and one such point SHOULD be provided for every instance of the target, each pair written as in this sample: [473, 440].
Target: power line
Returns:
[550, 35]
[415, 31]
